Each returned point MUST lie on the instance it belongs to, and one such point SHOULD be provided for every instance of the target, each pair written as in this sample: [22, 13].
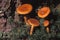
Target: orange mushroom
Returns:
[43, 12]
[34, 23]
[46, 23]
[24, 9]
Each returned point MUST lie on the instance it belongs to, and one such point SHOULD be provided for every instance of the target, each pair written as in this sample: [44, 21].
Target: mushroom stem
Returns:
[25, 19]
[32, 27]
[47, 29]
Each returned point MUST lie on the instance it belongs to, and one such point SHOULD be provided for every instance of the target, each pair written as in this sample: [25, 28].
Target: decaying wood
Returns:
[16, 14]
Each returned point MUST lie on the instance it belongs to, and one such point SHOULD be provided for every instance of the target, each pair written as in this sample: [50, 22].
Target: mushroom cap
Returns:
[33, 22]
[46, 23]
[43, 12]
[24, 9]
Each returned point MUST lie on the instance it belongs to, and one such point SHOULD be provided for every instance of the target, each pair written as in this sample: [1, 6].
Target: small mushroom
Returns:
[34, 23]
[24, 9]
[46, 23]
[43, 12]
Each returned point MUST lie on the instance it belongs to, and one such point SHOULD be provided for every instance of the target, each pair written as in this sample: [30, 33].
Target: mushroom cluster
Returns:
[42, 13]
[26, 9]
